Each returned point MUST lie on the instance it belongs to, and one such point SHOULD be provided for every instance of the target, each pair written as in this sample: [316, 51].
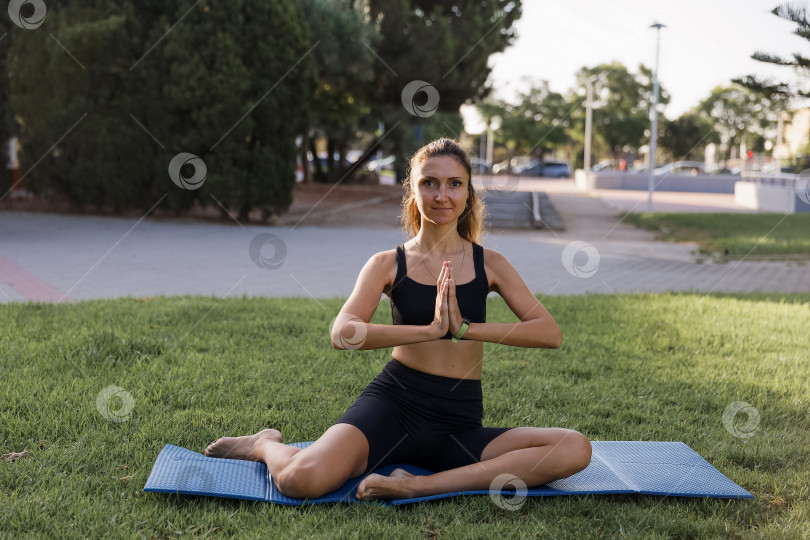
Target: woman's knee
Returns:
[303, 479]
[578, 451]
[337, 456]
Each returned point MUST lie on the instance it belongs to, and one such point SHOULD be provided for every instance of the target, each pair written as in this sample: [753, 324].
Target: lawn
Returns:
[632, 367]
[733, 236]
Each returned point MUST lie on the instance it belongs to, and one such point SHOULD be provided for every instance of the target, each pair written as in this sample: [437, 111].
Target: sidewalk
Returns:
[49, 257]
[670, 201]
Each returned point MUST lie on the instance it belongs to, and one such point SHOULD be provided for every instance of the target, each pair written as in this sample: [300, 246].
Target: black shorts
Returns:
[409, 416]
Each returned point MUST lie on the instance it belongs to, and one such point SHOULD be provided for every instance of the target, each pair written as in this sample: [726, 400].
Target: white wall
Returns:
[764, 198]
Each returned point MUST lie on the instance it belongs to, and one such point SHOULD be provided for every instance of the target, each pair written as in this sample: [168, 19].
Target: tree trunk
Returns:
[331, 171]
[304, 160]
[318, 174]
[342, 171]
[365, 156]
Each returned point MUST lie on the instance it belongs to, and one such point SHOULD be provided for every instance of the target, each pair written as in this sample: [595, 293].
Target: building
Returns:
[793, 134]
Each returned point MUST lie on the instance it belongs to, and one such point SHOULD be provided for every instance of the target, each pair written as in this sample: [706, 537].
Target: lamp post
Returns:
[588, 120]
[494, 124]
[654, 134]
[778, 149]
[482, 149]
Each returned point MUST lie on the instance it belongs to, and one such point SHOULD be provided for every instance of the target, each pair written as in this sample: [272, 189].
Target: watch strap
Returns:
[465, 323]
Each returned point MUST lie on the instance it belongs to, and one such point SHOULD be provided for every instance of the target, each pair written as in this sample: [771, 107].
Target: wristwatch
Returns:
[465, 323]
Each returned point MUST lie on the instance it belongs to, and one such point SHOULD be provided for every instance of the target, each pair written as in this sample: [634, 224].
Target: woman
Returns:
[425, 407]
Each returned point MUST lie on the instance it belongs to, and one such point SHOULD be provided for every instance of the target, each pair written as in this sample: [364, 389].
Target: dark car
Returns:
[480, 166]
[545, 169]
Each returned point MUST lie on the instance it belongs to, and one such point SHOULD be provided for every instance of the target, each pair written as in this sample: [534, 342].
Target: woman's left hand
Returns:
[452, 306]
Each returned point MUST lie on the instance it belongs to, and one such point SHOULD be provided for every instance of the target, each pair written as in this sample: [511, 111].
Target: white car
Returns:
[517, 161]
[682, 167]
[376, 164]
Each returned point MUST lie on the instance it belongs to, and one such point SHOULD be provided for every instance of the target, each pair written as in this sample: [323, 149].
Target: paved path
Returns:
[670, 201]
[55, 258]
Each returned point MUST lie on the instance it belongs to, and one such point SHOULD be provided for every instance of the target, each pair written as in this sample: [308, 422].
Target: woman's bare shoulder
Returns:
[494, 263]
[385, 263]
[493, 257]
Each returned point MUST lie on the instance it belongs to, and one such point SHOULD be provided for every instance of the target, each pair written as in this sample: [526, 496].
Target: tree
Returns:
[230, 83]
[686, 137]
[67, 101]
[536, 124]
[344, 68]
[622, 104]
[445, 43]
[738, 115]
[774, 91]
[243, 97]
[6, 121]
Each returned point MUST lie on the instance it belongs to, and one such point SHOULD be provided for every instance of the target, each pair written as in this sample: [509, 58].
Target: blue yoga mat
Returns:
[651, 468]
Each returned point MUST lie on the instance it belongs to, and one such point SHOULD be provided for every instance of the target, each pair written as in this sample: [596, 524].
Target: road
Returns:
[56, 258]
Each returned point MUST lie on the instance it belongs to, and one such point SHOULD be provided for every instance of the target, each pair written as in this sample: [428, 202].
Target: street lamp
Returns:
[494, 124]
[588, 120]
[654, 134]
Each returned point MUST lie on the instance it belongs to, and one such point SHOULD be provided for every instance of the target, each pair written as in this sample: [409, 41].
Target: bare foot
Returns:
[248, 447]
[377, 486]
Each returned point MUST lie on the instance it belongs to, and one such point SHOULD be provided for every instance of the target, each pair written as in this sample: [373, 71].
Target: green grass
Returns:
[733, 236]
[632, 367]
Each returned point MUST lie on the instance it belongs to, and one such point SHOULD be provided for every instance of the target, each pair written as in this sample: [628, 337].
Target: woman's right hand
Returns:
[441, 319]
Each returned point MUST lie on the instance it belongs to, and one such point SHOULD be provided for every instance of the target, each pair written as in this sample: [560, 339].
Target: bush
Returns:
[227, 82]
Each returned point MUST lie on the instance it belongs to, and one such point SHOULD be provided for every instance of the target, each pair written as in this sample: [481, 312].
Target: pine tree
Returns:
[779, 91]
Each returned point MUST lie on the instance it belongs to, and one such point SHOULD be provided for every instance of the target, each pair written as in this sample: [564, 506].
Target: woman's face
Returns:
[440, 187]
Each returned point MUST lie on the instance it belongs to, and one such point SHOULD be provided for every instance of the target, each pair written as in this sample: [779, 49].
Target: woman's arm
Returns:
[536, 327]
[538, 333]
[355, 334]
[352, 329]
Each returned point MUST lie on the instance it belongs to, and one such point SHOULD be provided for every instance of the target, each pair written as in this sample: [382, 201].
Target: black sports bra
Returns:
[415, 303]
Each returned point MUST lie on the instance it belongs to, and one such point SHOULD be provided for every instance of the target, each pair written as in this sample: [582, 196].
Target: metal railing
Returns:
[771, 179]
[538, 218]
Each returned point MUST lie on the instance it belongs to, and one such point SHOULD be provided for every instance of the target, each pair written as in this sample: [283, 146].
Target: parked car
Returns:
[725, 170]
[682, 167]
[545, 169]
[503, 166]
[386, 162]
[299, 172]
[480, 166]
[604, 165]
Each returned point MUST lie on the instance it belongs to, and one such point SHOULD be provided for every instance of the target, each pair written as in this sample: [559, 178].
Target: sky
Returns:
[706, 43]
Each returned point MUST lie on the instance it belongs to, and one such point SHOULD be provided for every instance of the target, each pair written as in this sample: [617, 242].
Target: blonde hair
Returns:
[471, 222]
